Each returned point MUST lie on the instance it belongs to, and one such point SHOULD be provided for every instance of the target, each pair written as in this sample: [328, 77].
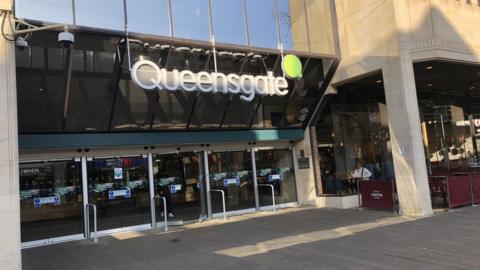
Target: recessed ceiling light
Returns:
[429, 85]
[379, 81]
[429, 67]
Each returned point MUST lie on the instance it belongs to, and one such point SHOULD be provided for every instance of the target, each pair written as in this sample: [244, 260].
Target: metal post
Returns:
[165, 214]
[448, 194]
[471, 190]
[87, 210]
[207, 184]
[255, 181]
[223, 202]
[357, 180]
[273, 195]
[85, 194]
[152, 190]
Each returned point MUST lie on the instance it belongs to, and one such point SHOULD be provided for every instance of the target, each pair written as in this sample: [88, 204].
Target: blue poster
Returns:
[231, 181]
[38, 202]
[113, 194]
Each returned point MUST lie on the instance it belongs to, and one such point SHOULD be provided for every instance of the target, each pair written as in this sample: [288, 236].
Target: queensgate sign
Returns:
[148, 75]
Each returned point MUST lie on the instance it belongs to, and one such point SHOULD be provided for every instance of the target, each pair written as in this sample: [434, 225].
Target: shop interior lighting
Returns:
[224, 53]
[429, 85]
[182, 49]
[196, 50]
[472, 87]
[429, 67]
[379, 81]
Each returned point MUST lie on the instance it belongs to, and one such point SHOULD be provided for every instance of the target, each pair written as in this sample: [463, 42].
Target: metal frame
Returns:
[223, 202]
[165, 213]
[87, 216]
[273, 194]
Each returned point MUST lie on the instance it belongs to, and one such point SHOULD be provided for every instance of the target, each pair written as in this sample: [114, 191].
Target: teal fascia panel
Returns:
[96, 140]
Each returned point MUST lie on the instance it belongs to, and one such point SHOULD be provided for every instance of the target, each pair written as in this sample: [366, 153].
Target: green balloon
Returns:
[292, 67]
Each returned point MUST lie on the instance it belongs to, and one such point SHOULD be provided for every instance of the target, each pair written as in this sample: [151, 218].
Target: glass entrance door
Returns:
[231, 172]
[275, 167]
[119, 187]
[51, 200]
[179, 178]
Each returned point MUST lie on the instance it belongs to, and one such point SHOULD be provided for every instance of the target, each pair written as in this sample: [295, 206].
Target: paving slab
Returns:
[297, 238]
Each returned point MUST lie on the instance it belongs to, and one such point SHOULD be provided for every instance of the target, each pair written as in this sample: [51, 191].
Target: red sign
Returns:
[377, 194]
[459, 190]
[476, 188]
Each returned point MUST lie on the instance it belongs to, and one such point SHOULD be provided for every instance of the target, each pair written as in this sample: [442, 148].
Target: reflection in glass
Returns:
[149, 17]
[262, 27]
[229, 21]
[190, 19]
[358, 134]
[50, 200]
[179, 178]
[320, 26]
[232, 173]
[293, 26]
[119, 189]
[55, 11]
[275, 167]
[107, 14]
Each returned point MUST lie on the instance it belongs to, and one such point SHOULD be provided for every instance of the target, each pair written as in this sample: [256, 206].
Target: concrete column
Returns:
[9, 189]
[406, 136]
[305, 178]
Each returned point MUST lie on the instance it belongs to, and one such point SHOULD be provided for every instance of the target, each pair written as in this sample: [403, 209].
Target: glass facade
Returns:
[449, 115]
[263, 24]
[51, 200]
[353, 134]
[99, 95]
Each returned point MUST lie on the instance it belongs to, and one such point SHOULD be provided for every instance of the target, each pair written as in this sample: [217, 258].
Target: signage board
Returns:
[113, 194]
[148, 75]
[38, 202]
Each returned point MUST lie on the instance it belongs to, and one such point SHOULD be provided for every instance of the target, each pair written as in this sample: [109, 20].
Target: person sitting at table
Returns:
[361, 172]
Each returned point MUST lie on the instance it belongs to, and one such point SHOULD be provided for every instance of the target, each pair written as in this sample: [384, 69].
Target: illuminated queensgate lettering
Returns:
[147, 75]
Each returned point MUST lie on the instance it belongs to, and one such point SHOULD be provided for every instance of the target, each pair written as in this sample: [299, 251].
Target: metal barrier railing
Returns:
[223, 201]
[273, 194]
[165, 214]
[87, 211]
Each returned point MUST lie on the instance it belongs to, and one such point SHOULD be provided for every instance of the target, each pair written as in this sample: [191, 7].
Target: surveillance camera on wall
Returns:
[21, 43]
[66, 39]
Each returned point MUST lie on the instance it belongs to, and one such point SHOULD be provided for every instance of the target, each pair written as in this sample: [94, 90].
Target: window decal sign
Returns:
[38, 202]
[231, 181]
[148, 75]
[113, 194]
[118, 173]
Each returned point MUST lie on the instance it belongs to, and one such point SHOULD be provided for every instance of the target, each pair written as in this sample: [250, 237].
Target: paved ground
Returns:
[292, 239]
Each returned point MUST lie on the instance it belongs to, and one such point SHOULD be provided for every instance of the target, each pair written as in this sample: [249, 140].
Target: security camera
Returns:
[21, 43]
[66, 39]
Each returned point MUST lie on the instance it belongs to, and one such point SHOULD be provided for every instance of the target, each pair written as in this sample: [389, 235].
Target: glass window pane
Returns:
[229, 21]
[262, 23]
[57, 11]
[50, 200]
[108, 14]
[320, 26]
[293, 27]
[148, 17]
[275, 167]
[190, 19]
